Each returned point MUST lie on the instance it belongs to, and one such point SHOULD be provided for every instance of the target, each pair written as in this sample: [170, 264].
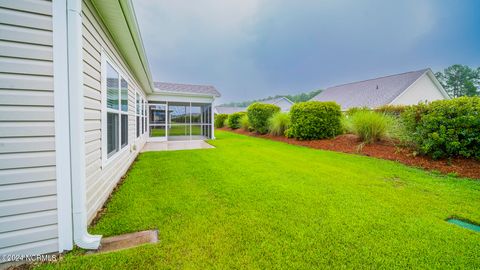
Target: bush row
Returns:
[445, 128]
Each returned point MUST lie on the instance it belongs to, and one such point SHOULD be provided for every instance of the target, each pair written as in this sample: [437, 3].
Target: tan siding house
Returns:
[28, 180]
[41, 70]
[77, 104]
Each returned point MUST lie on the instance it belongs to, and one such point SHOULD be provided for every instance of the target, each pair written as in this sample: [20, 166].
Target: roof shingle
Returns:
[186, 88]
[370, 93]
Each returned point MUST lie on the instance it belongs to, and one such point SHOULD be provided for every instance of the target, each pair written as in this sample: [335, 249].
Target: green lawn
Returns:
[254, 203]
[177, 130]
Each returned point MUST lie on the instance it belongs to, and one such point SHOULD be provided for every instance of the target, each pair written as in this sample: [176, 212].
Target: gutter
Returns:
[81, 236]
[184, 94]
[132, 24]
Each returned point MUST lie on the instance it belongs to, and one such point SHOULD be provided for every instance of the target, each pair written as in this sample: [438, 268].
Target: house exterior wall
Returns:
[28, 197]
[424, 89]
[102, 177]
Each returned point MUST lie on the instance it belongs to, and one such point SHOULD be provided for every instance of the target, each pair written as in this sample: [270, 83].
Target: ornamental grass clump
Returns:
[244, 123]
[279, 123]
[369, 126]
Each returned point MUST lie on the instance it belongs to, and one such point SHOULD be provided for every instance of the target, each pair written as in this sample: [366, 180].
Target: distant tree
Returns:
[295, 98]
[460, 80]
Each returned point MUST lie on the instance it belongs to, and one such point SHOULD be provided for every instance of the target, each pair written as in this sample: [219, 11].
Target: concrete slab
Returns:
[175, 145]
[128, 240]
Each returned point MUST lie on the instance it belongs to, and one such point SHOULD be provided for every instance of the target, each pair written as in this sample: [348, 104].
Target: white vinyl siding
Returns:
[424, 89]
[28, 200]
[103, 176]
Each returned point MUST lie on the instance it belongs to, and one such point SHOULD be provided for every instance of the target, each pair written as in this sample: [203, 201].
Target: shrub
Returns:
[397, 131]
[233, 120]
[244, 123]
[314, 120]
[394, 110]
[445, 128]
[278, 123]
[220, 120]
[225, 123]
[369, 126]
[258, 115]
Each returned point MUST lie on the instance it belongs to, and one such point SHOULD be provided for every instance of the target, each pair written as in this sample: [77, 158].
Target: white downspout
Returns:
[81, 236]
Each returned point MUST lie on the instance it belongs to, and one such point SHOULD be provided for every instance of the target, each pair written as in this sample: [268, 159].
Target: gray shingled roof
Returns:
[186, 88]
[275, 100]
[370, 93]
[229, 110]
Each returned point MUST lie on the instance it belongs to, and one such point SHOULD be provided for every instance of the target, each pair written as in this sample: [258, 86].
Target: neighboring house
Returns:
[77, 104]
[400, 89]
[282, 102]
[229, 110]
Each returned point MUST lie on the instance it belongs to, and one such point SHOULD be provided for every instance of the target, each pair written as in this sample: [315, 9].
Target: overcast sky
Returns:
[251, 49]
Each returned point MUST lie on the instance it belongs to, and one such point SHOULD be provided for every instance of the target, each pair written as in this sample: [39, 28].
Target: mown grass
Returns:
[177, 130]
[255, 203]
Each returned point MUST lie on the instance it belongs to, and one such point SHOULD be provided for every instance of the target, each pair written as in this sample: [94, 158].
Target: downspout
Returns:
[81, 236]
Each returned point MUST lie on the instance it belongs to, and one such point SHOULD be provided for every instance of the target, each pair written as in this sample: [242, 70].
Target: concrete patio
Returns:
[175, 145]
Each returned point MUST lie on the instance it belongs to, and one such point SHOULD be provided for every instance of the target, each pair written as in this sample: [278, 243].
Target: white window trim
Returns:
[105, 158]
[144, 129]
[145, 116]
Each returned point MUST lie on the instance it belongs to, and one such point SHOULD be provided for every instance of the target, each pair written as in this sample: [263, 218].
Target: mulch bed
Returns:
[349, 143]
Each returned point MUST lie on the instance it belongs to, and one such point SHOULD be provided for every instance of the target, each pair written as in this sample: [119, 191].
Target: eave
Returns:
[119, 18]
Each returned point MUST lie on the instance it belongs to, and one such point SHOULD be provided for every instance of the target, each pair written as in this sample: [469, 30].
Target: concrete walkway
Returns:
[175, 145]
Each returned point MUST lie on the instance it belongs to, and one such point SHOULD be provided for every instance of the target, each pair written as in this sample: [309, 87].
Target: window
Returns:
[137, 114]
[142, 110]
[145, 118]
[141, 115]
[117, 111]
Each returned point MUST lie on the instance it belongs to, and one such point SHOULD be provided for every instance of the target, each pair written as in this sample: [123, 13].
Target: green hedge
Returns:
[233, 121]
[220, 120]
[314, 120]
[445, 128]
[258, 115]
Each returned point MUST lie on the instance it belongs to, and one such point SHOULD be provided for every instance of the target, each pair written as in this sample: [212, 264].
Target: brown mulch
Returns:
[350, 143]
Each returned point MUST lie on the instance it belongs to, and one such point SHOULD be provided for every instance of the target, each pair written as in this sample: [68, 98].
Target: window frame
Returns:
[109, 157]
[140, 112]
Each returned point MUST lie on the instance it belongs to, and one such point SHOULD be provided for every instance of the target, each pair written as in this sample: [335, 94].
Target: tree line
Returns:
[460, 80]
[295, 98]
